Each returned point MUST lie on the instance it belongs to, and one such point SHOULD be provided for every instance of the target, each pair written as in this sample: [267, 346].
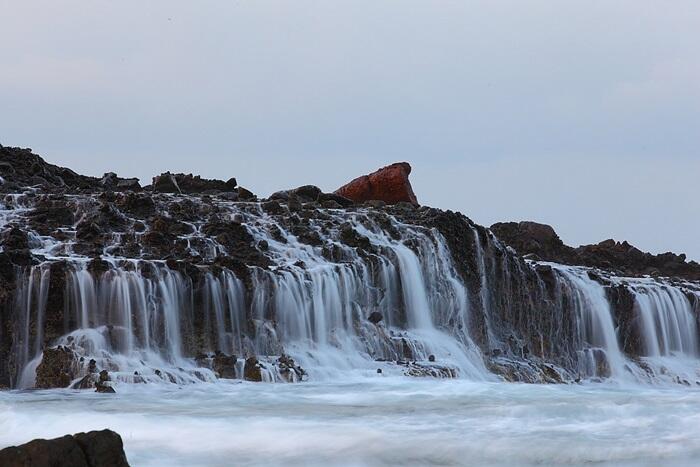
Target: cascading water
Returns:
[669, 326]
[148, 319]
[599, 349]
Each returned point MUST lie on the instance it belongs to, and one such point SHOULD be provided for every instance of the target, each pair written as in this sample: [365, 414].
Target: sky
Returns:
[580, 114]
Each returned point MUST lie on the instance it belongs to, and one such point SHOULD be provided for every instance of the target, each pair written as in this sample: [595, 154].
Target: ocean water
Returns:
[374, 421]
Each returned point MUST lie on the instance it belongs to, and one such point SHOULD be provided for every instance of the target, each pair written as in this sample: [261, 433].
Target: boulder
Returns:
[92, 449]
[533, 238]
[102, 384]
[58, 367]
[389, 184]
[289, 370]
[245, 194]
[224, 365]
[304, 194]
[251, 370]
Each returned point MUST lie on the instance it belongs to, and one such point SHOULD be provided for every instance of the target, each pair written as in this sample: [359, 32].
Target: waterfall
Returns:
[669, 326]
[596, 330]
[141, 315]
[30, 304]
[341, 292]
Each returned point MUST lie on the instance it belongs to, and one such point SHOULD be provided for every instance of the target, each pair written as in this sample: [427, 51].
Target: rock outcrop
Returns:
[541, 242]
[92, 449]
[188, 183]
[19, 167]
[389, 184]
[201, 272]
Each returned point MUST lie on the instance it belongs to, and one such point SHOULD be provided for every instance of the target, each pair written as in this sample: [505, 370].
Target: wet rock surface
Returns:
[252, 370]
[206, 249]
[92, 449]
[58, 368]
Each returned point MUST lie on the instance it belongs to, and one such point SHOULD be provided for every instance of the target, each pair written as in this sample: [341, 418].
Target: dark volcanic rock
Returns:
[92, 449]
[21, 168]
[304, 194]
[531, 238]
[137, 205]
[52, 212]
[188, 183]
[110, 181]
[389, 184]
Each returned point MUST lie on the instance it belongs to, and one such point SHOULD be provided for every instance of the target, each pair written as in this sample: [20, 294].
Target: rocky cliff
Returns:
[104, 282]
[540, 241]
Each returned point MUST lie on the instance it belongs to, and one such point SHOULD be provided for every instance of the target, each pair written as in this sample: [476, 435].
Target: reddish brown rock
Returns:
[389, 184]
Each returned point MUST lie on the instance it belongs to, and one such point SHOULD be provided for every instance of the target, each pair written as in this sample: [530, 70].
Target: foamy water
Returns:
[373, 421]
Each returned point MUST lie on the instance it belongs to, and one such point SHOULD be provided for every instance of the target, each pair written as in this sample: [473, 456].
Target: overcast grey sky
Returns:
[584, 115]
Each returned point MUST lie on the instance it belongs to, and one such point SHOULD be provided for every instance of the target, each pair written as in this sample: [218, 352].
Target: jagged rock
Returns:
[188, 183]
[341, 201]
[389, 184]
[92, 449]
[531, 238]
[51, 213]
[251, 370]
[245, 194]
[289, 369]
[21, 168]
[351, 237]
[58, 367]
[139, 205]
[111, 181]
[14, 239]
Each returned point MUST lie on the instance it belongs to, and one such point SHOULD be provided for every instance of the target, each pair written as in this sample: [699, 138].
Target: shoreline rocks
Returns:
[92, 449]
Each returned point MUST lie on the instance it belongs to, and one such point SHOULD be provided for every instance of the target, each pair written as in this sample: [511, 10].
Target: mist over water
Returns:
[462, 317]
[373, 421]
